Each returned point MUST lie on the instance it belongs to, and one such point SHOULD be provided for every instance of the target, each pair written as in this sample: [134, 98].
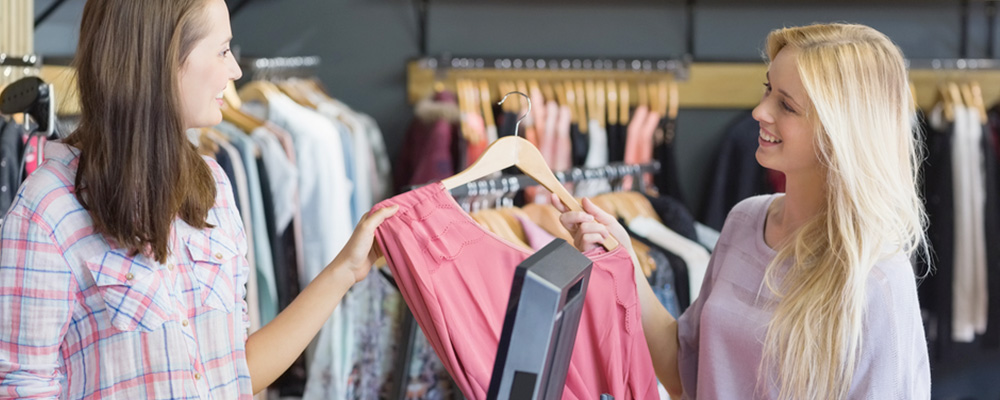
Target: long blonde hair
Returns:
[865, 141]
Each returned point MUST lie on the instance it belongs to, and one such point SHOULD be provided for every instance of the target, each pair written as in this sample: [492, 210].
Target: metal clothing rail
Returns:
[507, 184]
[972, 64]
[28, 60]
[677, 67]
[279, 67]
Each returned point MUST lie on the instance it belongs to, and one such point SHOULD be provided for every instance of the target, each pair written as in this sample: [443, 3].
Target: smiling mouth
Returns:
[769, 138]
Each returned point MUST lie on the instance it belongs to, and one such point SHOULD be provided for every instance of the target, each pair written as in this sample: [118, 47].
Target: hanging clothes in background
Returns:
[961, 185]
[574, 123]
[429, 152]
[737, 174]
[305, 167]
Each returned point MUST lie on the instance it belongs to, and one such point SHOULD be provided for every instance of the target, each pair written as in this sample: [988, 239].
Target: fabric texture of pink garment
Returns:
[456, 278]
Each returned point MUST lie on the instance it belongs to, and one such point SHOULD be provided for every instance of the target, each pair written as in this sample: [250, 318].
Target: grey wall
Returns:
[365, 44]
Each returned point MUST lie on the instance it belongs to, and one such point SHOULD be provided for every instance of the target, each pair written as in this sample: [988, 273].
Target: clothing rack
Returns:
[514, 183]
[505, 185]
[425, 74]
[927, 75]
[279, 67]
[28, 60]
[678, 67]
[970, 64]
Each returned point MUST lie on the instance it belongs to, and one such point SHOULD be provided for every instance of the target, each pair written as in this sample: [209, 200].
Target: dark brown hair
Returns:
[137, 170]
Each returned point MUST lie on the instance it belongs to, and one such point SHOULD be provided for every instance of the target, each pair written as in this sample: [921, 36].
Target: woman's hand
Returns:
[591, 226]
[359, 253]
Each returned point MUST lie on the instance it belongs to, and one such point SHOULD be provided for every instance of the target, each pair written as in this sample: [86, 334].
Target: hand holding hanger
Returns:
[516, 151]
[591, 226]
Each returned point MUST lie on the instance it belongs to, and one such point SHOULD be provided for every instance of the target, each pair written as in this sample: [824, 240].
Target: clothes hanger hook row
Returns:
[518, 124]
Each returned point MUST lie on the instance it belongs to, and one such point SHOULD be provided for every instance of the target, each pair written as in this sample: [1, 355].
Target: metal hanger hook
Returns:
[518, 124]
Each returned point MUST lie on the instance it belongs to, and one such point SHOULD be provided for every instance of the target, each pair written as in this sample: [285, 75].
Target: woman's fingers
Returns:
[557, 203]
[599, 214]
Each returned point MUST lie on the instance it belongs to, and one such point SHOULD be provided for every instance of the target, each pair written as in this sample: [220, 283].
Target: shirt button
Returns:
[197, 376]
[129, 276]
[185, 323]
[218, 256]
[170, 267]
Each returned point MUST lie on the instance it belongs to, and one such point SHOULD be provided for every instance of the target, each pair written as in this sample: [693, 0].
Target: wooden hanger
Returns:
[623, 101]
[947, 103]
[590, 89]
[601, 107]
[977, 99]
[956, 94]
[484, 94]
[675, 100]
[246, 122]
[230, 97]
[516, 151]
[581, 105]
[259, 91]
[533, 86]
[643, 96]
[612, 103]
[465, 108]
[295, 93]
[548, 92]
[560, 93]
[571, 100]
[663, 92]
[654, 98]
[967, 95]
[522, 87]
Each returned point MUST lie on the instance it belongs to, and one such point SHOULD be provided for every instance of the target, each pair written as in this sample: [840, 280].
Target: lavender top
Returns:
[721, 334]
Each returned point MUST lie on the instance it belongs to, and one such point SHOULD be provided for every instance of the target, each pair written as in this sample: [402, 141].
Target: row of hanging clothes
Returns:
[961, 187]
[305, 168]
[574, 122]
[672, 249]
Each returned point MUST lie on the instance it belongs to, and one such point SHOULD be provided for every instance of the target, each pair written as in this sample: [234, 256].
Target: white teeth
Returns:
[768, 138]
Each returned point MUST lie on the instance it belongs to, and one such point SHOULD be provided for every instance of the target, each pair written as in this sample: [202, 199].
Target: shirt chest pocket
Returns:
[214, 260]
[135, 294]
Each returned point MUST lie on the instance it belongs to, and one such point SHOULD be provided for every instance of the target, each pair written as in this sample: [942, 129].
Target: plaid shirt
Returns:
[81, 319]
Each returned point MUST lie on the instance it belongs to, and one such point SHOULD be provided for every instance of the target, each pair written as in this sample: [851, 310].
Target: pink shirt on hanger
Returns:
[456, 278]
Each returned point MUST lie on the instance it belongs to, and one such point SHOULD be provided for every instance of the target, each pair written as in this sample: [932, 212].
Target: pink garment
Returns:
[456, 277]
[648, 127]
[635, 135]
[646, 145]
[536, 235]
[550, 137]
[36, 156]
[564, 146]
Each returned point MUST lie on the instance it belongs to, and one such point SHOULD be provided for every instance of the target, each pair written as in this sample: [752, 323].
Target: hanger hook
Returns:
[518, 124]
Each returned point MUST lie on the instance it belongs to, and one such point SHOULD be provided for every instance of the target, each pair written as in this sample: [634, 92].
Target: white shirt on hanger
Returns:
[693, 254]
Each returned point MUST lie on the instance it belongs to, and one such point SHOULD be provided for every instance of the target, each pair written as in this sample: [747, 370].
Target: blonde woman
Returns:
[810, 294]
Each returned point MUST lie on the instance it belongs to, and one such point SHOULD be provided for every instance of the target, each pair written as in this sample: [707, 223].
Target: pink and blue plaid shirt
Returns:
[81, 319]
